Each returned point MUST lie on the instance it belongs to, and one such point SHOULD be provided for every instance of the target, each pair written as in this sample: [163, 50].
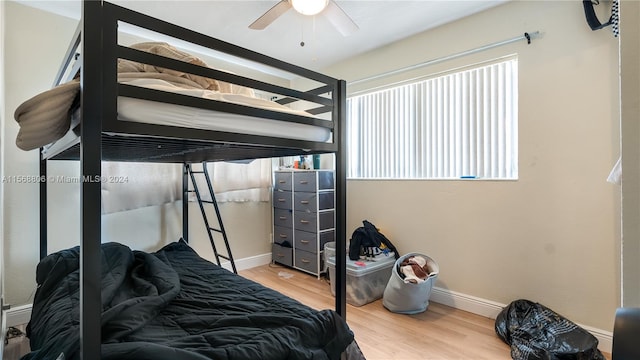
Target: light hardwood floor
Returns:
[441, 332]
[16, 346]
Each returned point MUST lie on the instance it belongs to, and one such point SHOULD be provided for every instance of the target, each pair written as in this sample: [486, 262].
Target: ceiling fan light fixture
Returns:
[309, 7]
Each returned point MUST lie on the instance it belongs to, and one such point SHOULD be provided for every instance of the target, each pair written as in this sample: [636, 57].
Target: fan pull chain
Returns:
[313, 35]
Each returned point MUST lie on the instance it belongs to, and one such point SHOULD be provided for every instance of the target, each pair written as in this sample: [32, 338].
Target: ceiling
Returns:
[380, 23]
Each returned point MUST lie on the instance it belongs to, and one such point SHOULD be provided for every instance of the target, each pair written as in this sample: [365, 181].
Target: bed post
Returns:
[185, 203]
[43, 206]
[90, 168]
[341, 200]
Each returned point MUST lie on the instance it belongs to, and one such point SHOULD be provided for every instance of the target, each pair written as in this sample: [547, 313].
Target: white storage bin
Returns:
[366, 280]
[329, 252]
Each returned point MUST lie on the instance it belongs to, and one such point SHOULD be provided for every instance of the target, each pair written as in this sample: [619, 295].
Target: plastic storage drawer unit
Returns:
[366, 280]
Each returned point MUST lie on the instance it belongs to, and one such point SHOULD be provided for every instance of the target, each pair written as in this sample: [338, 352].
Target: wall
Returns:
[25, 48]
[630, 108]
[2, 117]
[34, 47]
[552, 236]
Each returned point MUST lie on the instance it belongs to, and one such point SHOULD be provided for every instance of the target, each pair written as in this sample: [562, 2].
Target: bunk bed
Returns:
[98, 132]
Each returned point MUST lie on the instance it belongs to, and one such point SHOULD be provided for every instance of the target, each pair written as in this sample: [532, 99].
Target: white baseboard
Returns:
[491, 309]
[249, 262]
[465, 302]
[17, 315]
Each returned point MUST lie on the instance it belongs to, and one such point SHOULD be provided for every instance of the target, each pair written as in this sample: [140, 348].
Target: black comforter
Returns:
[174, 305]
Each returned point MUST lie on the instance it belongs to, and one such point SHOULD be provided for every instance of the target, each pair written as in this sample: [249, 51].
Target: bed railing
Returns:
[321, 99]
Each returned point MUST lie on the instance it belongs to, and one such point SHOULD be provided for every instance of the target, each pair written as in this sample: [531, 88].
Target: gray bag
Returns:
[406, 297]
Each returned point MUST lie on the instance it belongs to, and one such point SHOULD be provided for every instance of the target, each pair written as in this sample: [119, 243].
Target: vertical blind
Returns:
[459, 125]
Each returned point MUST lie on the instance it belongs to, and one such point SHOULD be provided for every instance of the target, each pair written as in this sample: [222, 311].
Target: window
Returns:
[462, 124]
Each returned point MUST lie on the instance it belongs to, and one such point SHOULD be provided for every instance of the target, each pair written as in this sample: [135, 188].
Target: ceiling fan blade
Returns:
[271, 15]
[345, 25]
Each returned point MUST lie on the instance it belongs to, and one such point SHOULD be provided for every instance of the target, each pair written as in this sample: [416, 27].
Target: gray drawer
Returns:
[304, 181]
[282, 180]
[306, 261]
[325, 180]
[310, 202]
[282, 199]
[326, 200]
[282, 255]
[305, 221]
[309, 221]
[306, 241]
[283, 235]
[305, 201]
[326, 237]
[327, 219]
[283, 217]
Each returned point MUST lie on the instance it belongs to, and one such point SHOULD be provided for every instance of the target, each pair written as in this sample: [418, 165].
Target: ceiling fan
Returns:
[345, 25]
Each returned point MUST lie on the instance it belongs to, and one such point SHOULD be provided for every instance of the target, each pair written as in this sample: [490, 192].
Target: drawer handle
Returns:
[282, 181]
[280, 255]
[283, 218]
[304, 182]
[304, 221]
[283, 236]
[305, 261]
[282, 200]
[305, 202]
[305, 241]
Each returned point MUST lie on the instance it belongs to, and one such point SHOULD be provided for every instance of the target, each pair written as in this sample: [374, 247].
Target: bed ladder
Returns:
[210, 230]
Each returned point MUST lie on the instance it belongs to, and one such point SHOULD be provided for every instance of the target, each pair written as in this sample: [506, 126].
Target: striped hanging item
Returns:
[615, 18]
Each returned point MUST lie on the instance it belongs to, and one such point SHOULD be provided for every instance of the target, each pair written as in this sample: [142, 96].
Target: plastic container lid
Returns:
[363, 267]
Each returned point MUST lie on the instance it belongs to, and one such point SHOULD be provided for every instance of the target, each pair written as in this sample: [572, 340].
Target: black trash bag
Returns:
[536, 332]
[368, 236]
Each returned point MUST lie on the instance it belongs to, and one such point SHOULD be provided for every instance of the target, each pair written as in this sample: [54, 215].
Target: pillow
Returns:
[45, 118]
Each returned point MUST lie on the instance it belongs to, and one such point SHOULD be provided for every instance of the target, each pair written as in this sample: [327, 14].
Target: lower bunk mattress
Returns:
[172, 304]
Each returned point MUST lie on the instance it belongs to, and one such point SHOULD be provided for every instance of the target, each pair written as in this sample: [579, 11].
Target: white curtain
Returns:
[238, 181]
[128, 186]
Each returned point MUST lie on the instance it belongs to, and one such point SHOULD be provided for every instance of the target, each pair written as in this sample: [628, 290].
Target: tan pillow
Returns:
[45, 118]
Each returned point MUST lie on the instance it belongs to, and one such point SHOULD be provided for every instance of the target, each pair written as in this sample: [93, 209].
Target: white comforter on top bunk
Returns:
[44, 118]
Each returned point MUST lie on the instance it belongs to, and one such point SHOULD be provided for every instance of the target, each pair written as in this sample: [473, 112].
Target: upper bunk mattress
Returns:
[45, 118]
[151, 112]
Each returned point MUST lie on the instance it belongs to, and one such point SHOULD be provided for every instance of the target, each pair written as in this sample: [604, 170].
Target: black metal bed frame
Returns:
[102, 136]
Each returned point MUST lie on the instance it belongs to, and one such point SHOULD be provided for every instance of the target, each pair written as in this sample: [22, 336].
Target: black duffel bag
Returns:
[536, 332]
[368, 237]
